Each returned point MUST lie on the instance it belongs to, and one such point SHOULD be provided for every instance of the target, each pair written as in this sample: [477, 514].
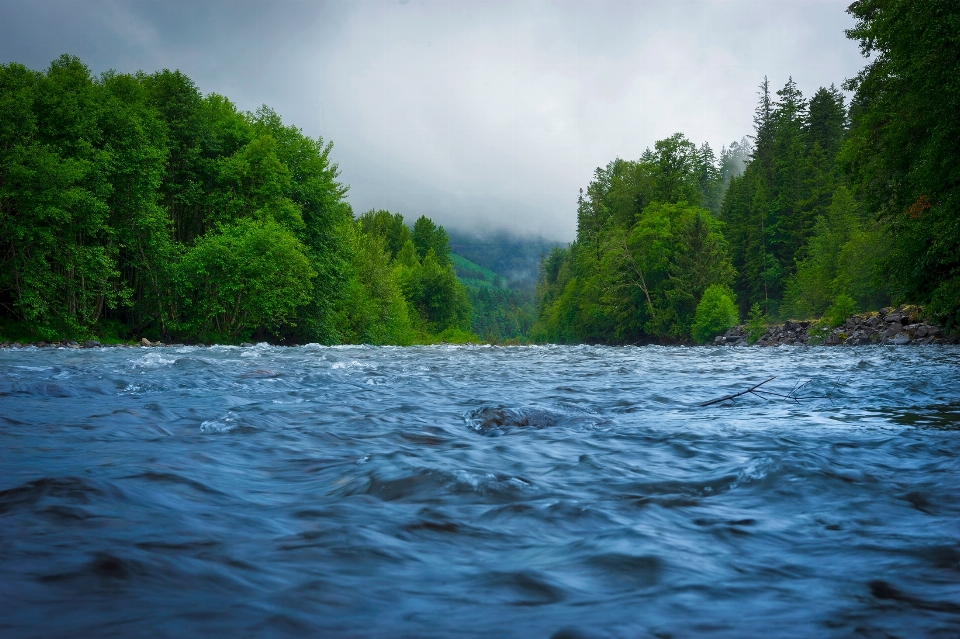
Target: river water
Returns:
[479, 492]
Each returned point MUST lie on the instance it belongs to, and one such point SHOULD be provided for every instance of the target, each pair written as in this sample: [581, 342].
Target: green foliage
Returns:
[247, 275]
[434, 292]
[902, 152]
[715, 313]
[644, 254]
[757, 323]
[771, 210]
[388, 226]
[498, 314]
[374, 310]
[134, 205]
[637, 275]
[427, 237]
[841, 258]
[843, 307]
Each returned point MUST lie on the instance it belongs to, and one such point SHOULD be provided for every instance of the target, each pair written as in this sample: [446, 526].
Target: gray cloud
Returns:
[483, 114]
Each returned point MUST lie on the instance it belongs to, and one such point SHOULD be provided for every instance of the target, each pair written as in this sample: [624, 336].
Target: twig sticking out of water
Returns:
[765, 394]
[752, 389]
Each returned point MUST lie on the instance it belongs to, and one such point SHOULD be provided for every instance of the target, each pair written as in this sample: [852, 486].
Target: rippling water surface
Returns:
[478, 492]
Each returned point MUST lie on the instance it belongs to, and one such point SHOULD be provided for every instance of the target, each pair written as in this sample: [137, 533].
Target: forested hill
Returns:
[839, 208]
[516, 258]
[134, 205]
[500, 272]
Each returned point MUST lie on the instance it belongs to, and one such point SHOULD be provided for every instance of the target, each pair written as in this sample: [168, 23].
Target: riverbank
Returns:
[896, 326]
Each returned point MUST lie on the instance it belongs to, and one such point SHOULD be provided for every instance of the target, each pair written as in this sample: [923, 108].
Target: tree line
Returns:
[133, 205]
[827, 209]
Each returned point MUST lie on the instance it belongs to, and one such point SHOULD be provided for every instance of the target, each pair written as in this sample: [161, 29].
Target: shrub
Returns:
[715, 313]
[757, 323]
[843, 307]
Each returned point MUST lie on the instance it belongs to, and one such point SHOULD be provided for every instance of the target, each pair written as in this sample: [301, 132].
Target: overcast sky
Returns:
[483, 115]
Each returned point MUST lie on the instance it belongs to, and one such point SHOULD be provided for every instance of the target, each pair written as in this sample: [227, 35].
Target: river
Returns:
[479, 492]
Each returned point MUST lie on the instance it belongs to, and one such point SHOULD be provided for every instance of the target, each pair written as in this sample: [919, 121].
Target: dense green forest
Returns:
[133, 205]
[829, 207]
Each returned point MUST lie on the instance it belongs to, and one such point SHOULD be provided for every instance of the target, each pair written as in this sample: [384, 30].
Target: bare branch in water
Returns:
[749, 390]
[768, 395]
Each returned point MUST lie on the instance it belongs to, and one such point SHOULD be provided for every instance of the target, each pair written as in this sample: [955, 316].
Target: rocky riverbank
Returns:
[896, 326]
[90, 343]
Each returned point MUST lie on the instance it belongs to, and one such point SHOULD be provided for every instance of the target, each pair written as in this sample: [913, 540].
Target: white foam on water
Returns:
[153, 359]
[223, 425]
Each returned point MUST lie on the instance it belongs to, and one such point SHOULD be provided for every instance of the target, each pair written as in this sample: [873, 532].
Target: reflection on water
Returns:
[477, 491]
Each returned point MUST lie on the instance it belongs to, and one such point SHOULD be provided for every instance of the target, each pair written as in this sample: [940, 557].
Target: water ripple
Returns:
[479, 491]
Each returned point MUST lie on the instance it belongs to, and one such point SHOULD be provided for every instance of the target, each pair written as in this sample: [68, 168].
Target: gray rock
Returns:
[901, 339]
[892, 331]
[921, 331]
[91, 343]
[246, 344]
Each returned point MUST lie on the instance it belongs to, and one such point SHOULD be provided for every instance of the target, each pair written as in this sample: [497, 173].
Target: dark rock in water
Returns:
[91, 343]
[246, 345]
[901, 338]
[496, 421]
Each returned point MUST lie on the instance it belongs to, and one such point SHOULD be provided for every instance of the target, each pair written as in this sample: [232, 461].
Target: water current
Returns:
[479, 492]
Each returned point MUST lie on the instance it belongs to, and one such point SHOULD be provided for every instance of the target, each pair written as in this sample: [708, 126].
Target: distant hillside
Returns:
[474, 275]
[498, 314]
[515, 258]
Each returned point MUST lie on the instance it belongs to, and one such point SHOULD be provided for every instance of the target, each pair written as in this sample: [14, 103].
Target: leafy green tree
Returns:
[428, 236]
[244, 276]
[715, 313]
[374, 310]
[435, 293]
[757, 323]
[389, 227]
[843, 306]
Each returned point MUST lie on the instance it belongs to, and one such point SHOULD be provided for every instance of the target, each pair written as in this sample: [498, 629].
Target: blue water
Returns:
[479, 492]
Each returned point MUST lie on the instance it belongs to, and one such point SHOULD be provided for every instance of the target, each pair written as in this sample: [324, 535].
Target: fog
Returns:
[482, 115]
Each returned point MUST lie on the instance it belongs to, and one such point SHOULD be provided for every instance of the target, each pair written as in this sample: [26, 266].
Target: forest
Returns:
[827, 209]
[133, 205]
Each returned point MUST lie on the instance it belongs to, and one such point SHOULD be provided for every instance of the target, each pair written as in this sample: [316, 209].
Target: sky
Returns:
[482, 115]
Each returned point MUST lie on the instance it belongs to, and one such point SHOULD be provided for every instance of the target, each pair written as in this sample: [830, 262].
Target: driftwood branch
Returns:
[767, 394]
[749, 390]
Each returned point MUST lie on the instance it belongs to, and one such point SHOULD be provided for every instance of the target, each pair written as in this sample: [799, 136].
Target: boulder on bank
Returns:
[897, 326]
